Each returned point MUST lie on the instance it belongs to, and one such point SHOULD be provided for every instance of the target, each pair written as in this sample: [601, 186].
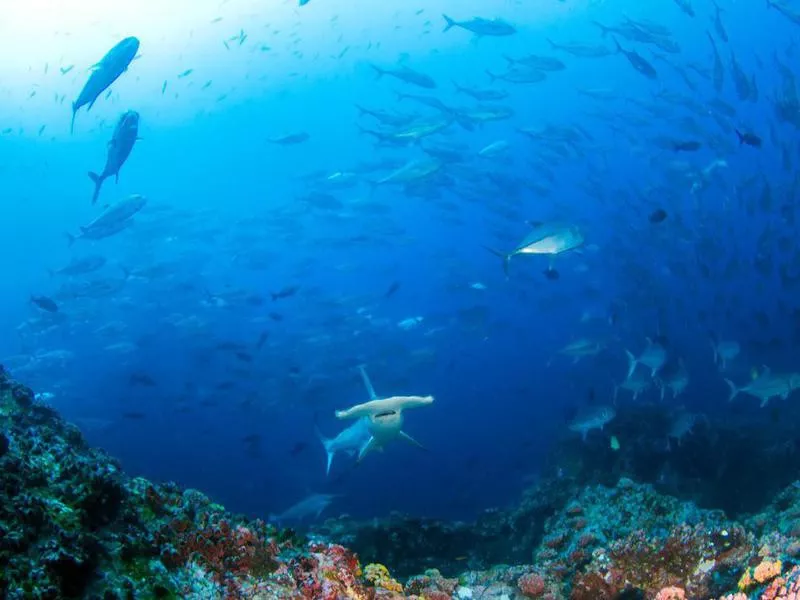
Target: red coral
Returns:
[555, 541]
[227, 552]
[574, 509]
[531, 585]
[592, 586]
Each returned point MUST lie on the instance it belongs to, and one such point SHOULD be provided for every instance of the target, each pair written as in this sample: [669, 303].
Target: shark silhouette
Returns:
[383, 417]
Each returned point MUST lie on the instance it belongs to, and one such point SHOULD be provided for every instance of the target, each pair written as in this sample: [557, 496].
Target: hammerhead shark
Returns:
[383, 417]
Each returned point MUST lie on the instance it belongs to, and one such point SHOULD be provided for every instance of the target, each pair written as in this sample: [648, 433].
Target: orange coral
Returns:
[767, 570]
[671, 593]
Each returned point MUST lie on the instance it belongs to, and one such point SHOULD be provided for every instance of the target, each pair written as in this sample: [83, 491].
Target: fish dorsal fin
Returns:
[535, 224]
[367, 383]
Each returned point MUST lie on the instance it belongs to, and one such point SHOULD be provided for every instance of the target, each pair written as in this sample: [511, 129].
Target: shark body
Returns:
[382, 417]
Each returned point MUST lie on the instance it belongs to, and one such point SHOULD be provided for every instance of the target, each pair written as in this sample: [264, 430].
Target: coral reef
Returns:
[72, 525]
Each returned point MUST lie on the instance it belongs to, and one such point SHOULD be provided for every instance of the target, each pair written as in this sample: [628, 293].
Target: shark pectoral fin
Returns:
[367, 448]
[410, 440]
[367, 383]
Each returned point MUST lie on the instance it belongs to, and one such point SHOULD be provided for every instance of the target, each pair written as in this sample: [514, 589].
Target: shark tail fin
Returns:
[734, 390]
[98, 183]
[449, 23]
[74, 112]
[326, 443]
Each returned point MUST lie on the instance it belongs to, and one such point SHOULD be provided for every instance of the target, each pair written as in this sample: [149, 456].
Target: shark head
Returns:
[384, 418]
[386, 424]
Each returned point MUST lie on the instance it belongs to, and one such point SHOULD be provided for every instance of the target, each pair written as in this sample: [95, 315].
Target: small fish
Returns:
[244, 357]
[750, 139]
[141, 378]
[286, 292]
[45, 303]
[659, 215]
[298, 448]
[480, 27]
[67, 69]
[592, 417]
[104, 73]
[275, 316]
[262, 339]
[134, 415]
[686, 146]
[185, 73]
[290, 139]
[407, 74]
[119, 148]
[545, 238]
[637, 62]
[392, 289]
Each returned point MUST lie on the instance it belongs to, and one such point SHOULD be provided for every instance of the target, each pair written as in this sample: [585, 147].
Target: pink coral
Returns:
[671, 593]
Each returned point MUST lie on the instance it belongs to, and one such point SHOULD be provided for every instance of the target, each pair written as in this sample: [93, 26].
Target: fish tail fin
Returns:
[632, 362]
[506, 258]
[458, 87]
[449, 23]
[603, 29]
[492, 76]
[734, 390]
[740, 135]
[509, 60]
[616, 43]
[70, 238]
[98, 183]
[74, 112]
[553, 45]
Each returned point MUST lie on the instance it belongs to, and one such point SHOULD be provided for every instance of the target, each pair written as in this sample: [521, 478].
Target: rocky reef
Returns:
[72, 525]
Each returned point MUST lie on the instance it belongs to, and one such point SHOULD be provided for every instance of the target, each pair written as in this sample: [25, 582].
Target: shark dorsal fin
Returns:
[367, 383]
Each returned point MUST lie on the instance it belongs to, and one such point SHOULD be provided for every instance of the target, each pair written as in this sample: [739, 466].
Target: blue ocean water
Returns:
[183, 358]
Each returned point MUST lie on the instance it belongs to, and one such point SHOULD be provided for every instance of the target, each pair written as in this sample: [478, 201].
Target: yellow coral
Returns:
[767, 570]
[745, 581]
[378, 575]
